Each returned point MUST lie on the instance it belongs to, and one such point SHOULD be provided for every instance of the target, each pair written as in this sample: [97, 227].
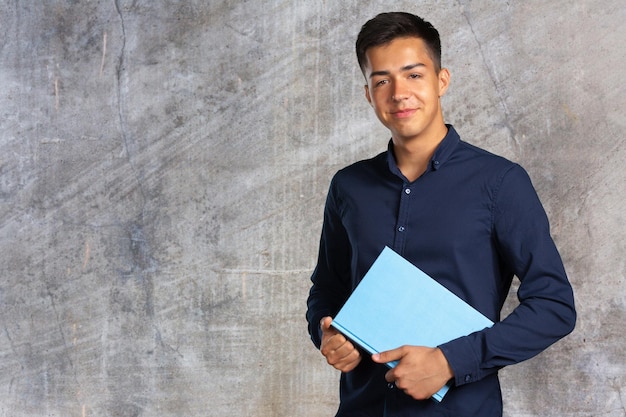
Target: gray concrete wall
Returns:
[163, 167]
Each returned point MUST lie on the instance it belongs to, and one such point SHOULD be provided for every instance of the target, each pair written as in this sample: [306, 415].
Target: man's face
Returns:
[404, 88]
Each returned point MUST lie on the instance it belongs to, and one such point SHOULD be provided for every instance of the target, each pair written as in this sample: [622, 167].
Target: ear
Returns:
[367, 94]
[444, 81]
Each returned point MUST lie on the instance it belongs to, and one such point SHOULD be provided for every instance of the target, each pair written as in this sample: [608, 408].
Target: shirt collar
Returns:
[446, 148]
[442, 153]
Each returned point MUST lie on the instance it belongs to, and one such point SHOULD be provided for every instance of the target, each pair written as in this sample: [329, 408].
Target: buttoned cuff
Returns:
[463, 360]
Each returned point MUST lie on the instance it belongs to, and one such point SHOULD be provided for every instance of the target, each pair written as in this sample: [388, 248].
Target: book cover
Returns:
[397, 304]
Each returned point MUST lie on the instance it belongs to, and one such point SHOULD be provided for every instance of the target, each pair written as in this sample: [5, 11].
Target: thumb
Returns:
[388, 356]
[325, 323]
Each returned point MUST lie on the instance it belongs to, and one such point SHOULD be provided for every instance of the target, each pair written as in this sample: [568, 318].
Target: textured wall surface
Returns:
[163, 169]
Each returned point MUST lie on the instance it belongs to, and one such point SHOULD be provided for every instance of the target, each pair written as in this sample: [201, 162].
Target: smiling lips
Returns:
[404, 113]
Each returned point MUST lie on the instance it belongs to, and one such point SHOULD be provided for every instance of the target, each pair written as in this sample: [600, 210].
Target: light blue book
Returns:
[397, 304]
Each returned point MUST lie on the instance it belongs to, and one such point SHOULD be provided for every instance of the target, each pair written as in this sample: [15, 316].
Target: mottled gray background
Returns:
[163, 172]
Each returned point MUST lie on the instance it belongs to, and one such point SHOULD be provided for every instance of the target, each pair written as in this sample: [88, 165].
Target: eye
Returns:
[380, 83]
[415, 76]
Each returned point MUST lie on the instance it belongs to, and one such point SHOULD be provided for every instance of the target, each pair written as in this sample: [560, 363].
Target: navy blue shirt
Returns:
[472, 221]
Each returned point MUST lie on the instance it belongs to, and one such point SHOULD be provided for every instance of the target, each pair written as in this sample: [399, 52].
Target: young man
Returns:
[468, 218]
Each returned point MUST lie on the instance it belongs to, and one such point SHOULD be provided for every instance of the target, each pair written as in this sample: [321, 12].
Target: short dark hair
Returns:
[387, 27]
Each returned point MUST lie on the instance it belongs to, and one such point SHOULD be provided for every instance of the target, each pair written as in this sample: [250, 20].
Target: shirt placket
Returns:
[402, 220]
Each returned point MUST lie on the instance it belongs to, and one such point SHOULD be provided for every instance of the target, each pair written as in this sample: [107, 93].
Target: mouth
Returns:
[403, 113]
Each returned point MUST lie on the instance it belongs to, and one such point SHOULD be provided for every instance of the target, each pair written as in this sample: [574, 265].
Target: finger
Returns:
[341, 355]
[388, 356]
[346, 353]
[389, 376]
[347, 360]
[333, 344]
[339, 347]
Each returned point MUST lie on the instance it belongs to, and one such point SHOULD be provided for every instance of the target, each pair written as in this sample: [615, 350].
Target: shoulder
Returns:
[461, 154]
[362, 169]
[485, 163]
[468, 150]
[509, 184]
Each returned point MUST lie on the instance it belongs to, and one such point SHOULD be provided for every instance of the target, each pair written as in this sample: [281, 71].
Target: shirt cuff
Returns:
[463, 360]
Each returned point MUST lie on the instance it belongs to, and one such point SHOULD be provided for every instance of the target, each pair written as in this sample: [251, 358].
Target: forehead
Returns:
[397, 54]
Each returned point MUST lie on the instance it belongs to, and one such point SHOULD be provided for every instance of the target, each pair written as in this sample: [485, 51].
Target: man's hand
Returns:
[338, 350]
[421, 372]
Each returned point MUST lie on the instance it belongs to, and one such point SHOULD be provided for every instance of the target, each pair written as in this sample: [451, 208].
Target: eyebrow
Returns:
[405, 68]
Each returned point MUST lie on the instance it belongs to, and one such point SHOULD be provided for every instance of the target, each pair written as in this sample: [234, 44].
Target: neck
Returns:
[414, 155]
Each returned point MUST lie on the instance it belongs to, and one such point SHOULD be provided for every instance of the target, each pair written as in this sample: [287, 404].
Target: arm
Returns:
[331, 277]
[546, 311]
[331, 287]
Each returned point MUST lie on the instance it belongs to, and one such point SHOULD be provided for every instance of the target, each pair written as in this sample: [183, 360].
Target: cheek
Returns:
[378, 99]
[380, 114]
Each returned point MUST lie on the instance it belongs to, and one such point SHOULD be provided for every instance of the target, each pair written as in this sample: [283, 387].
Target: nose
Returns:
[399, 91]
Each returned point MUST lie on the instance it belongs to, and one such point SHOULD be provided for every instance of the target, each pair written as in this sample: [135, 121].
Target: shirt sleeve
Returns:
[546, 310]
[331, 277]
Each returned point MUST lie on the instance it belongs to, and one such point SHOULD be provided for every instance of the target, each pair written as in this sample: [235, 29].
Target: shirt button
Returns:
[468, 378]
[408, 191]
[390, 385]
[401, 229]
